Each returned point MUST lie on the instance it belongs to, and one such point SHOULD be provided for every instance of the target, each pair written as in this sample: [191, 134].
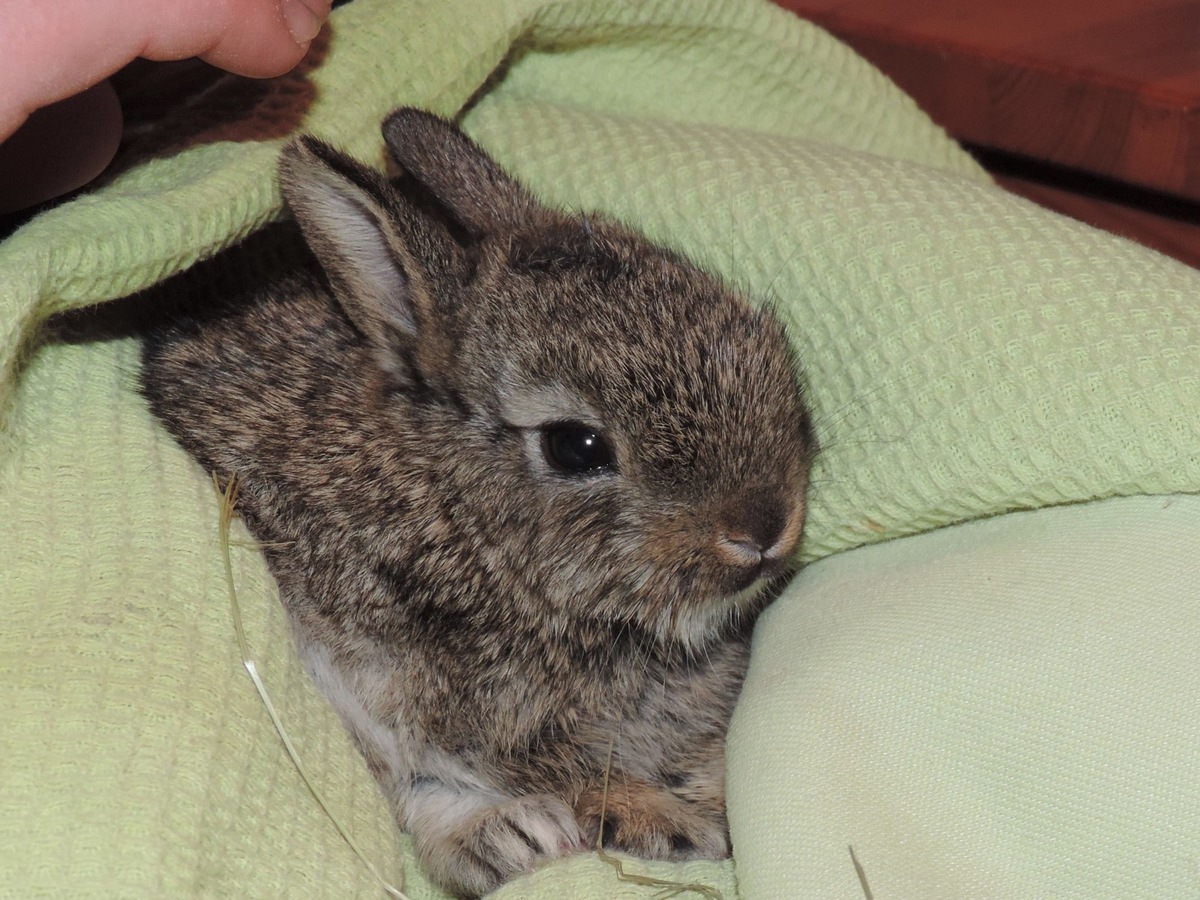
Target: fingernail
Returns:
[302, 20]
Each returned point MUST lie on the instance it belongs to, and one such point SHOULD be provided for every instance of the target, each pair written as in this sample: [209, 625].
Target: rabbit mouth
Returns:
[749, 579]
[753, 587]
[699, 625]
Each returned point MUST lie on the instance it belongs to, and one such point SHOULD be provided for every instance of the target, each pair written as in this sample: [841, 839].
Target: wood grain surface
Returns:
[1167, 224]
[1110, 87]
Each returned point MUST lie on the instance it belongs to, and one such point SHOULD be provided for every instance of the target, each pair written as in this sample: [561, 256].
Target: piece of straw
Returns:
[228, 499]
[669, 888]
[861, 873]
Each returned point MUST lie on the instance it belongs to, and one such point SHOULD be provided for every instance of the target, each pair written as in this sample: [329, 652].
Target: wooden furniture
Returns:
[1091, 107]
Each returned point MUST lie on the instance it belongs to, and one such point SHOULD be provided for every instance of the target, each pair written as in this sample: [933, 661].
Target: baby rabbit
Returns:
[524, 480]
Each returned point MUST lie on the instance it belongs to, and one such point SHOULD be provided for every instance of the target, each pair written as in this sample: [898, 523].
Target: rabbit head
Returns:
[628, 432]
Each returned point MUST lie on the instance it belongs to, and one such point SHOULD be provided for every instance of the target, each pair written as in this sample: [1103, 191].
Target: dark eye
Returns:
[575, 449]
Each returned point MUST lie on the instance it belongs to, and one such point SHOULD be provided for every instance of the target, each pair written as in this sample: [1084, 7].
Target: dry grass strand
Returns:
[861, 873]
[228, 498]
[669, 888]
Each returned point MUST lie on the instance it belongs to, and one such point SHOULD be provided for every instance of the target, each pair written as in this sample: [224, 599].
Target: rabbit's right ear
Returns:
[376, 253]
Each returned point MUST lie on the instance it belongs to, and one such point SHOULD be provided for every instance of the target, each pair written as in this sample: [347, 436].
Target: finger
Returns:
[60, 147]
[49, 51]
[247, 37]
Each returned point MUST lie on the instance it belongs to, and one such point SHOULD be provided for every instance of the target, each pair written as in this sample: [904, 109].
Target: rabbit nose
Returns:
[754, 534]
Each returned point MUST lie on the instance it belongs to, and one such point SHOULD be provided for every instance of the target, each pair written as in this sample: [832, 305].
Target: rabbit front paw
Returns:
[483, 850]
[652, 823]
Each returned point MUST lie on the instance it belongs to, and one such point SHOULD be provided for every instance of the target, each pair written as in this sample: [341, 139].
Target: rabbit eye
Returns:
[575, 449]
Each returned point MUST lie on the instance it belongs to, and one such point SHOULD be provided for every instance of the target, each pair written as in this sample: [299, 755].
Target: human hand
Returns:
[55, 55]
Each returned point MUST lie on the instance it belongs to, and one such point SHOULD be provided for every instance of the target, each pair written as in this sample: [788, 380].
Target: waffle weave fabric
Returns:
[967, 354]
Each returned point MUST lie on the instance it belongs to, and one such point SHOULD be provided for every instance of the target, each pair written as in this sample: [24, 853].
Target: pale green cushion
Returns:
[967, 354]
[1006, 708]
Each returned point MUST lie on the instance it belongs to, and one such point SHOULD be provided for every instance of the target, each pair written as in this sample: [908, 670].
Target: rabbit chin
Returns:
[698, 625]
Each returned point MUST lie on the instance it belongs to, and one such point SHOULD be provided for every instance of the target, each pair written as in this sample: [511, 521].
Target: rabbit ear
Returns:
[377, 254]
[456, 172]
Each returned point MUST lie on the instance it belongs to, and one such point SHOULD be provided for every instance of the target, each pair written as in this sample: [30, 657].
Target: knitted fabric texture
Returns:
[966, 354]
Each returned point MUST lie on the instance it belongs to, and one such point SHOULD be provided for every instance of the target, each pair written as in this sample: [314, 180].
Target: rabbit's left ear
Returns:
[473, 191]
[384, 259]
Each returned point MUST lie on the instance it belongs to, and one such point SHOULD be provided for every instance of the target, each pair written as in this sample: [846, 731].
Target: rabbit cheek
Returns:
[679, 596]
[700, 569]
[714, 565]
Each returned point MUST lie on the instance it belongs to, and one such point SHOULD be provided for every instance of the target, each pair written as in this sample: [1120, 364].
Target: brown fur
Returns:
[487, 625]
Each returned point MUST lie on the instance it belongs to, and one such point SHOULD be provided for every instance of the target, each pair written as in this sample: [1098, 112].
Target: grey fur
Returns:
[486, 625]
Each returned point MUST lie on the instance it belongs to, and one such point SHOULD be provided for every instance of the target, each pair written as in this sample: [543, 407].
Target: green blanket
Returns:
[967, 354]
